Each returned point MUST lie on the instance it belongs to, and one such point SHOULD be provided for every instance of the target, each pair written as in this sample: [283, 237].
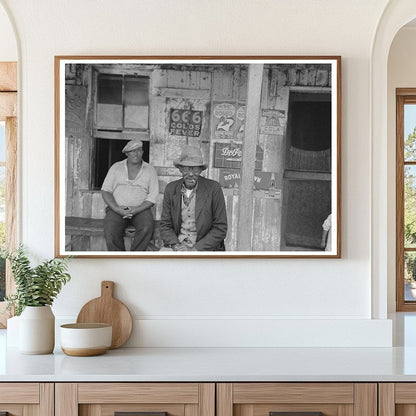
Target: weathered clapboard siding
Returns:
[181, 90]
[273, 144]
[78, 141]
[223, 85]
[266, 230]
[226, 87]
[231, 86]
[266, 227]
[97, 204]
[158, 78]
[197, 88]
[158, 120]
[69, 185]
[86, 234]
[231, 201]
[175, 89]
[310, 75]
[87, 211]
[97, 244]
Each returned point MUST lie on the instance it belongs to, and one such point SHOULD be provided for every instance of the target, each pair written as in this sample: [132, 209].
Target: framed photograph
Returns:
[198, 156]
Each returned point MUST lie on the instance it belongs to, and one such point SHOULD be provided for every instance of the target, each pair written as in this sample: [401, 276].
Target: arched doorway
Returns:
[395, 16]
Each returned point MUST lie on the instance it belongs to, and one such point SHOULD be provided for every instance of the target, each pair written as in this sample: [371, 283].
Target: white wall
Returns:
[212, 301]
[401, 74]
[8, 46]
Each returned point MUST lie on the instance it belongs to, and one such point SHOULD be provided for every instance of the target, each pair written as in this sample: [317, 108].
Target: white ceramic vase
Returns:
[37, 330]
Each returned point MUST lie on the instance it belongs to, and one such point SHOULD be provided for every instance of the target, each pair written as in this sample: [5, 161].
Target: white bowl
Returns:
[85, 339]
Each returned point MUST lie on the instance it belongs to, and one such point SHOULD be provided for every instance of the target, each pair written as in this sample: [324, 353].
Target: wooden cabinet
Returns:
[27, 399]
[332, 399]
[105, 399]
[208, 399]
[222, 399]
[397, 399]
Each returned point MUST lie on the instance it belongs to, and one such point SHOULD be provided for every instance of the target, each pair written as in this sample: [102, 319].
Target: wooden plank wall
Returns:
[168, 89]
[199, 89]
[231, 86]
[174, 89]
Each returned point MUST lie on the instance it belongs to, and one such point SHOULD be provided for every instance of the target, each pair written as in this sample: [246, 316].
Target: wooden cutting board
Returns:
[108, 310]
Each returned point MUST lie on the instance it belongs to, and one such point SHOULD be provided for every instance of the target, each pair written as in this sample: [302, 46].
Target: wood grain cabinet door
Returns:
[141, 399]
[297, 399]
[397, 399]
[26, 399]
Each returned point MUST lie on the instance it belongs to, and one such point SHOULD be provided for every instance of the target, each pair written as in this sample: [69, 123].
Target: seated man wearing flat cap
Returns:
[194, 216]
[130, 189]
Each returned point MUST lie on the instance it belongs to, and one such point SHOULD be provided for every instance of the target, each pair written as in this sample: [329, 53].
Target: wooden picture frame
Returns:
[268, 129]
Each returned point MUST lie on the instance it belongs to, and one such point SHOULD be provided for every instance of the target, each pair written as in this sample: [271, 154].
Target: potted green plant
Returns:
[36, 289]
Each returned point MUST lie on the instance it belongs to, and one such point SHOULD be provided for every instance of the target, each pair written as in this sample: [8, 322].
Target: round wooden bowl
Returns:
[86, 339]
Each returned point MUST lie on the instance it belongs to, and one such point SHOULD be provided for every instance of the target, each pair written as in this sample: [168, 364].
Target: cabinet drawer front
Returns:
[292, 409]
[341, 393]
[405, 393]
[19, 393]
[114, 408]
[138, 393]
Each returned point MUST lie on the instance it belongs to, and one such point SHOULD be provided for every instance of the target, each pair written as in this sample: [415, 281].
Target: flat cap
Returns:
[132, 145]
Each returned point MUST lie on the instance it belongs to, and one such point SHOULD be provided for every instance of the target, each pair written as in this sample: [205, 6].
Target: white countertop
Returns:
[221, 364]
[215, 364]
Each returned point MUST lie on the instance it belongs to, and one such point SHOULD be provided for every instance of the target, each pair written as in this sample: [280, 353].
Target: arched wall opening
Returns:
[401, 73]
[396, 15]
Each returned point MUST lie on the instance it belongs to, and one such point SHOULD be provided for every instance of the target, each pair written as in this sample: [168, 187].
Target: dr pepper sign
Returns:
[185, 122]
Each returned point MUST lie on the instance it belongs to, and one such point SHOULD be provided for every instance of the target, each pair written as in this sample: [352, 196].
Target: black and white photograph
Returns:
[197, 156]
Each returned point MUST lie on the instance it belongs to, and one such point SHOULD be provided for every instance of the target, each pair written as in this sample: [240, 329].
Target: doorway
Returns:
[307, 175]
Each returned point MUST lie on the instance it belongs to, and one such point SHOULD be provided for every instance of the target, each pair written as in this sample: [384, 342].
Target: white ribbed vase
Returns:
[37, 330]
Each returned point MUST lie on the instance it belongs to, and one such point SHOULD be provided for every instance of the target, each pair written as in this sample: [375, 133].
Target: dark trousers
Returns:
[114, 227]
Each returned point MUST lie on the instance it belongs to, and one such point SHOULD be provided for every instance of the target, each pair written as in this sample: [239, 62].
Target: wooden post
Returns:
[386, 399]
[66, 399]
[224, 399]
[245, 205]
[365, 399]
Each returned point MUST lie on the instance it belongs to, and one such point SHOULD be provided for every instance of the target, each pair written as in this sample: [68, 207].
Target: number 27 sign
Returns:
[185, 122]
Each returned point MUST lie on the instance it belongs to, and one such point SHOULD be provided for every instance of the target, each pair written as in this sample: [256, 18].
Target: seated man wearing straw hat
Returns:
[194, 216]
[130, 189]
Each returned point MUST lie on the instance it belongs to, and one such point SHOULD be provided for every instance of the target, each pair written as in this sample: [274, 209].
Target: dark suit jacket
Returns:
[210, 215]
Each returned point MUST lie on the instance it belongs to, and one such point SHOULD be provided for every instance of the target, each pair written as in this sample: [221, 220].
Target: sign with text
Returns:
[228, 120]
[185, 122]
[230, 155]
[272, 121]
[231, 178]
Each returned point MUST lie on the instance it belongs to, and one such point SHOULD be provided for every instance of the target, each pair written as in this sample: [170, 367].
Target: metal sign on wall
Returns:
[231, 178]
[185, 122]
[228, 120]
[229, 155]
[272, 121]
